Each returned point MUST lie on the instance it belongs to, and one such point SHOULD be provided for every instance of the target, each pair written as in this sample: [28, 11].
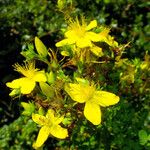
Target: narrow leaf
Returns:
[40, 47]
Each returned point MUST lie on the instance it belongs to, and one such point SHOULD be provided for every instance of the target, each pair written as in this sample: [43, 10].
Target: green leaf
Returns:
[46, 89]
[143, 137]
[28, 108]
[51, 77]
[40, 47]
[148, 138]
[41, 111]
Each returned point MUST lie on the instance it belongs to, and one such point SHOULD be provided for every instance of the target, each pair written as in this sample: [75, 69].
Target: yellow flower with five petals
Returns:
[27, 83]
[49, 126]
[80, 34]
[93, 99]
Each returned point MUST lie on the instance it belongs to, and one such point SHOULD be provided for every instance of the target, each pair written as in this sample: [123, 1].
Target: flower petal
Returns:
[83, 42]
[93, 36]
[50, 114]
[104, 98]
[59, 132]
[77, 92]
[58, 120]
[65, 42]
[54, 120]
[92, 25]
[42, 137]
[39, 76]
[92, 113]
[27, 85]
[70, 34]
[14, 84]
[39, 119]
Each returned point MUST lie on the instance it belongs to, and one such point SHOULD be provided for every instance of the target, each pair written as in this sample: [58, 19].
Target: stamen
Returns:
[28, 69]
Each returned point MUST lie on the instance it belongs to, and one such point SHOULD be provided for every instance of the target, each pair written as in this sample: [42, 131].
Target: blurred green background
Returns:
[21, 21]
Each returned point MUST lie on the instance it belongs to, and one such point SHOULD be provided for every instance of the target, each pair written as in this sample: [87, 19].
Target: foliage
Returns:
[121, 69]
[18, 135]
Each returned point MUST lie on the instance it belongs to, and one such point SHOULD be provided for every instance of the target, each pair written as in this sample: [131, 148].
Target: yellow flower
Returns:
[50, 126]
[26, 84]
[93, 99]
[79, 34]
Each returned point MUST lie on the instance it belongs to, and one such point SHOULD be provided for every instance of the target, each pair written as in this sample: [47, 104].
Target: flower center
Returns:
[90, 92]
[77, 28]
[80, 31]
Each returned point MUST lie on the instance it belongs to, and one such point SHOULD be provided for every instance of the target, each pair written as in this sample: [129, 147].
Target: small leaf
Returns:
[41, 111]
[46, 89]
[97, 51]
[40, 47]
[82, 81]
[28, 108]
[51, 77]
[143, 137]
[61, 4]
[148, 138]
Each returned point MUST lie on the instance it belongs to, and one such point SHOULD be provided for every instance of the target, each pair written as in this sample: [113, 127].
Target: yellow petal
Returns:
[92, 25]
[14, 84]
[39, 119]
[83, 42]
[92, 113]
[42, 137]
[39, 76]
[27, 85]
[50, 114]
[59, 132]
[77, 92]
[65, 42]
[58, 120]
[53, 119]
[104, 98]
[70, 34]
[103, 34]
[93, 36]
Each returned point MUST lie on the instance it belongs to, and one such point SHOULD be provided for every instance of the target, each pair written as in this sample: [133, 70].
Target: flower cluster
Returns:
[52, 91]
